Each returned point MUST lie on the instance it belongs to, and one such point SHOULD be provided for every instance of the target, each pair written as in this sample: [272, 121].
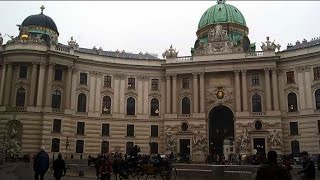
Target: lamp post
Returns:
[67, 146]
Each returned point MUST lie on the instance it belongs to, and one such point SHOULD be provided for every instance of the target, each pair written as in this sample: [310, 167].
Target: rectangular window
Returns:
[130, 130]
[316, 73]
[79, 146]
[107, 81]
[23, 71]
[55, 145]
[131, 83]
[83, 78]
[58, 74]
[255, 80]
[105, 129]
[290, 77]
[154, 84]
[185, 83]
[80, 128]
[154, 131]
[294, 128]
[56, 126]
[129, 146]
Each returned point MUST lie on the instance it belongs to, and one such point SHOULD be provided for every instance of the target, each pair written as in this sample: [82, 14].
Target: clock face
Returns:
[220, 94]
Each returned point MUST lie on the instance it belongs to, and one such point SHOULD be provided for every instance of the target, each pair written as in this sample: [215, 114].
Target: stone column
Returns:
[308, 91]
[41, 85]
[267, 88]
[195, 93]
[8, 85]
[275, 89]
[146, 106]
[3, 73]
[98, 101]
[244, 90]
[237, 90]
[74, 88]
[92, 91]
[168, 109]
[68, 87]
[122, 103]
[301, 88]
[174, 94]
[33, 83]
[140, 95]
[115, 104]
[49, 85]
[202, 92]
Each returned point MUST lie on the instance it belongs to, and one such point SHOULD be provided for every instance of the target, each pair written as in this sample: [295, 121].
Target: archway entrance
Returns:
[221, 127]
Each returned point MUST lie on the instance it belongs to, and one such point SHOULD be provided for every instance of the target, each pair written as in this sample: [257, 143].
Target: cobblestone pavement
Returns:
[23, 171]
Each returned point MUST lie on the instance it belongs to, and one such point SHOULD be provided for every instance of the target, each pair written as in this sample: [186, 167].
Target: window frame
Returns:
[82, 147]
[185, 82]
[131, 83]
[21, 97]
[316, 73]
[154, 84]
[58, 74]
[131, 106]
[154, 106]
[256, 103]
[83, 78]
[78, 130]
[294, 128]
[55, 148]
[107, 81]
[152, 133]
[106, 129]
[54, 128]
[292, 101]
[255, 79]
[56, 97]
[23, 71]
[82, 103]
[184, 106]
[290, 75]
[129, 133]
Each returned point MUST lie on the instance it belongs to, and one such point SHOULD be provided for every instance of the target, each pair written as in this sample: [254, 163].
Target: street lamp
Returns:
[67, 146]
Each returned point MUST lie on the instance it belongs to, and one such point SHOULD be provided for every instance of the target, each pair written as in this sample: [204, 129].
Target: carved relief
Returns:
[220, 95]
[170, 140]
[14, 130]
[275, 138]
[199, 141]
[243, 139]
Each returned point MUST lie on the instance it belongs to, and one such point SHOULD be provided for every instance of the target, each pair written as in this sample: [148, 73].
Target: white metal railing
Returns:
[63, 49]
[258, 113]
[16, 109]
[253, 54]
[184, 58]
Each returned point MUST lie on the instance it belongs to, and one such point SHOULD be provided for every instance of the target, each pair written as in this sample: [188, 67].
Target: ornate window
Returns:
[106, 105]
[55, 145]
[130, 130]
[154, 84]
[290, 77]
[185, 105]
[131, 106]
[256, 103]
[79, 146]
[292, 102]
[21, 97]
[258, 125]
[83, 78]
[107, 81]
[23, 71]
[129, 146]
[317, 97]
[58, 74]
[82, 103]
[295, 147]
[294, 130]
[316, 73]
[56, 99]
[185, 83]
[154, 148]
[131, 83]
[80, 128]
[104, 147]
[105, 130]
[184, 127]
[255, 81]
[56, 126]
[154, 107]
[154, 131]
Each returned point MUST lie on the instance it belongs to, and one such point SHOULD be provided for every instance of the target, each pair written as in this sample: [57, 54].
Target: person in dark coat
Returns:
[270, 169]
[105, 169]
[308, 171]
[40, 164]
[59, 168]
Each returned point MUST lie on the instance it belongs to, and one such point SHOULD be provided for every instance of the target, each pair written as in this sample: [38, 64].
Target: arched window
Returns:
[79, 146]
[104, 146]
[82, 102]
[55, 145]
[317, 97]
[56, 99]
[131, 106]
[154, 107]
[256, 103]
[295, 148]
[292, 102]
[21, 97]
[106, 105]
[185, 105]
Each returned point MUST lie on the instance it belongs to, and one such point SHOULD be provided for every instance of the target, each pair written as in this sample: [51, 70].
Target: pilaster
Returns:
[8, 85]
[41, 85]
[202, 105]
[267, 88]
[174, 94]
[237, 90]
[244, 90]
[168, 95]
[195, 93]
[33, 83]
[49, 85]
[275, 89]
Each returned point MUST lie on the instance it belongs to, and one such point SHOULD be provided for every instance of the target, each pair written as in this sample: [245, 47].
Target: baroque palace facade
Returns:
[225, 98]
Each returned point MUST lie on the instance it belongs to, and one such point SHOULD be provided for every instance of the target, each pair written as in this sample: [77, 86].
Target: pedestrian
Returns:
[40, 164]
[59, 168]
[105, 169]
[308, 172]
[270, 169]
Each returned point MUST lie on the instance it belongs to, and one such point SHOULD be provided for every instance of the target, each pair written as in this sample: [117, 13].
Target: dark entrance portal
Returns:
[260, 145]
[221, 127]
[185, 146]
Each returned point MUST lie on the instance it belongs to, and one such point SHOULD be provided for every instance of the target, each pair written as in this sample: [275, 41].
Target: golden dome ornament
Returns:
[24, 37]
[220, 94]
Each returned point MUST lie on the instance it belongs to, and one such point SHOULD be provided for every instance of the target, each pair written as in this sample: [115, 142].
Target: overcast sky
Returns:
[152, 26]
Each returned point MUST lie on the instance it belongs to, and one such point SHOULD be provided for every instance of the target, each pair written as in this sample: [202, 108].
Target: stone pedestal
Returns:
[198, 156]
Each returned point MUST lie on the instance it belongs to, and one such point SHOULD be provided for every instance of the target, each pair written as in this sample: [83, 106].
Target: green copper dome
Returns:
[221, 13]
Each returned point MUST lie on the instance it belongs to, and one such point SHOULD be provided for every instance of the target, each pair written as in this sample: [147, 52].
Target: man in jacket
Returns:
[308, 170]
[59, 168]
[40, 164]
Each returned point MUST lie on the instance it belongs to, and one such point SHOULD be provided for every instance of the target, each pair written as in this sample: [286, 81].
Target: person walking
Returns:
[270, 169]
[308, 170]
[40, 164]
[105, 169]
[59, 168]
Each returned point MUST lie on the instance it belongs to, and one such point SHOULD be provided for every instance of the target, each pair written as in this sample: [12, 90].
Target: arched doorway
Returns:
[221, 127]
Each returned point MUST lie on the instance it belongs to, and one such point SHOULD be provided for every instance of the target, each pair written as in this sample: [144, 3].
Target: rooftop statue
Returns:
[270, 46]
[1, 39]
[73, 44]
[170, 53]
